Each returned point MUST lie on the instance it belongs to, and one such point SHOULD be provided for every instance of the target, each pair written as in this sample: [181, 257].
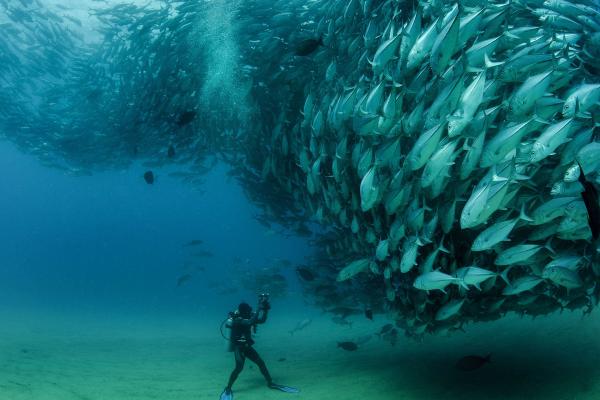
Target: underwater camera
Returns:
[263, 297]
[263, 301]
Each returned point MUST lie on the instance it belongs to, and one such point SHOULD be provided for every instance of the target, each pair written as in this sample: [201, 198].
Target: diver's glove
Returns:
[266, 305]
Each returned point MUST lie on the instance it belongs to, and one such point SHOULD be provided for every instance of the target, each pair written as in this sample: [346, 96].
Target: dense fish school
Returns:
[442, 147]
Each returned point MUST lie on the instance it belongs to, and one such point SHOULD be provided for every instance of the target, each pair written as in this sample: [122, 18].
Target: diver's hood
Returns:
[244, 310]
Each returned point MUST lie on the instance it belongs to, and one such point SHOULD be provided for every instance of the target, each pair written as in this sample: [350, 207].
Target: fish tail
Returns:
[491, 64]
[462, 284]
[442, 248]
[548, 246]
[524, 216]
[581, 174]
[504, 276]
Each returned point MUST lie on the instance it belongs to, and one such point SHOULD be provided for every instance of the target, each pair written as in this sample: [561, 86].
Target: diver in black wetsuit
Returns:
[241, 323]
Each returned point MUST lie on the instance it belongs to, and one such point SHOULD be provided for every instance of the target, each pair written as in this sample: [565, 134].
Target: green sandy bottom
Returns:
[60, 357]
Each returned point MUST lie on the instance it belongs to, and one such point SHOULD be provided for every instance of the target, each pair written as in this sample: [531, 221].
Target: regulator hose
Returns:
[221, 328]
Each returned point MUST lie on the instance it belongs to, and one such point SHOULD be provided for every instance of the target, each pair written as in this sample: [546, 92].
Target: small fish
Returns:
[590, 198]
[171, 151]
[308, 46]
[385, 329]
[391, 336]
[301, 325]
[344, 311]
[562, 276]
[195, 242]
[348, 346]
[522, 284]
[369, 314]
[341, 321]
[306, 274]
[362, 339]
[471, 363]
[149, 177]
[183, 279]
[281, 359]
[203, 254]
[185, 118]
[437, 280]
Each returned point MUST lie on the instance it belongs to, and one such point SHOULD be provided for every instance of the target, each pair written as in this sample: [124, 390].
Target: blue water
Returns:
[111, 242]
[90, 305]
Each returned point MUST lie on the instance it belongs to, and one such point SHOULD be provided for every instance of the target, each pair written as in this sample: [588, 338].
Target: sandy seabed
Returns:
[47, 356]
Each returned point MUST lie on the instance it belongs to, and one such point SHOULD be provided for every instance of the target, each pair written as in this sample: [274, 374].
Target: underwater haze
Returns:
[334, 199]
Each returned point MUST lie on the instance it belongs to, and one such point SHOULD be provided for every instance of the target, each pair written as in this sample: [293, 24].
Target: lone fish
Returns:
[149, 177]
[305, 273]
[308, 46]
[471, 363]
[348, 346]
[183, 279]
[185, 118]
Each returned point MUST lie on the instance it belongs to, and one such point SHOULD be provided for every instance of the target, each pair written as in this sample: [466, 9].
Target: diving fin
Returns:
[226, 395]
[283, 388]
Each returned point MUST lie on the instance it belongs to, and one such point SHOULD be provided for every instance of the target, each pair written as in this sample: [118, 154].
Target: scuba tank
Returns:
[227, 323]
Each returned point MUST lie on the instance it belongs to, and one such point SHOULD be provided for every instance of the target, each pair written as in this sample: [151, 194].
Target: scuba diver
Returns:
[242, 322]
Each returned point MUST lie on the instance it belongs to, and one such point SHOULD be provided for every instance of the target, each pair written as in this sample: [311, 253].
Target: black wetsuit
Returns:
[241, 344]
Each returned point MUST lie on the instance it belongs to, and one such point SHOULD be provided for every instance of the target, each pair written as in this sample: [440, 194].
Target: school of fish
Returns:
[447, 150]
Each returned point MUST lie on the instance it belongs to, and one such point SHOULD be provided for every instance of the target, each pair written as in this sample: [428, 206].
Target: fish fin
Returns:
[462, 284]
[474, 70]
[465, 145]
[582, 179]
[541, 120]
[497, 178]
[425, 206]
[524, 216]
[478, 286]
[584, 115]
[491, 64]
[548, 246]
[521, 177]
[504, 275]
[442, 248]
[511, 35]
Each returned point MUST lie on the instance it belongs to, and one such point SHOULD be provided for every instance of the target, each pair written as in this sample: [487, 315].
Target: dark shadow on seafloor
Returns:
[528, 370]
